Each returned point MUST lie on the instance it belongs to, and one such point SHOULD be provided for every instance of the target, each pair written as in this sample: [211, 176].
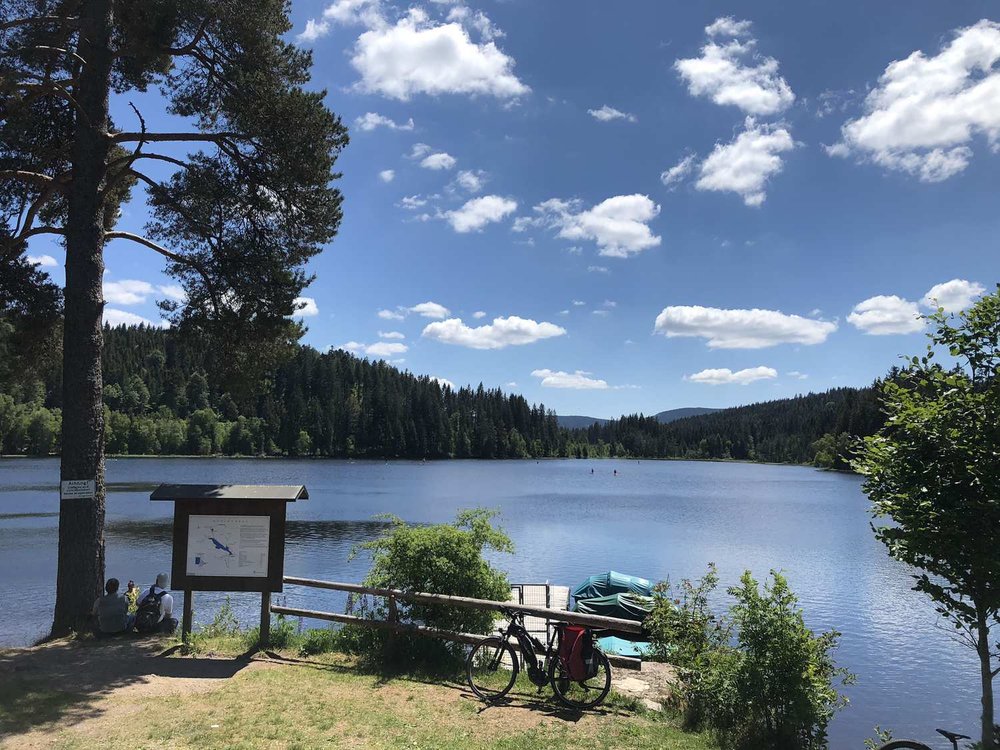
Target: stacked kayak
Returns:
[604, 584]
[618, 595]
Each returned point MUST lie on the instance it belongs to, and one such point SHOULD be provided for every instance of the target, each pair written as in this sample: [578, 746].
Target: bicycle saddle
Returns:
[953, 736]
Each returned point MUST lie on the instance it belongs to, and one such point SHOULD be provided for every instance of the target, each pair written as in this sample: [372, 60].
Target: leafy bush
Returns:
[682, 629]
[439, 559]
[760, 678]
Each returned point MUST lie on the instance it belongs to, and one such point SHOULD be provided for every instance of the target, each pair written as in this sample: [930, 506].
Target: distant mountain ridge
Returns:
[577, 422]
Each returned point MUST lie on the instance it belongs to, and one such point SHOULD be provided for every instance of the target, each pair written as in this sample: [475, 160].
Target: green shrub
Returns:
[439, 559]
[759, 678]
[682, 629]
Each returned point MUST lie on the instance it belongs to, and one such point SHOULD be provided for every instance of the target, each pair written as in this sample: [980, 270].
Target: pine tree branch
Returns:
[190, 46]
[157, 157]
[164, 194]
[175, 137]
[33, 178]
[71, 21]
[41, 48]
[169, 255]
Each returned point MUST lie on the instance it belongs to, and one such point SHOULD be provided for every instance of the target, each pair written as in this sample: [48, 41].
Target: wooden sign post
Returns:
[229, 537]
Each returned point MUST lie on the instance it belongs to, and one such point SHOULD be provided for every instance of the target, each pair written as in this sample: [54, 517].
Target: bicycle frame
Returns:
[529, 644]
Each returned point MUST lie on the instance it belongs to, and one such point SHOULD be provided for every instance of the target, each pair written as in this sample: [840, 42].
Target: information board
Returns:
[228, 546]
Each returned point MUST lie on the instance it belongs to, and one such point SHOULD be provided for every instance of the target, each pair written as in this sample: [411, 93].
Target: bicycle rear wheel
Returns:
[904, 745]
[581, 694]
[491, 669]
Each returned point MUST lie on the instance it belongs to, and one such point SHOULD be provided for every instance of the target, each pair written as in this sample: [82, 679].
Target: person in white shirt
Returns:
[166, 623]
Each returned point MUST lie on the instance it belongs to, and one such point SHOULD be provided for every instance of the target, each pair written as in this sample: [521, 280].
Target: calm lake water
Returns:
[655, 519]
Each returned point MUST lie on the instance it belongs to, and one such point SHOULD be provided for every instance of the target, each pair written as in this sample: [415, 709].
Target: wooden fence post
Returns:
[264, 641]
[188, 615]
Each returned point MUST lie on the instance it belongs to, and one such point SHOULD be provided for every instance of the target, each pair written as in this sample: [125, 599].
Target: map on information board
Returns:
[233, 546]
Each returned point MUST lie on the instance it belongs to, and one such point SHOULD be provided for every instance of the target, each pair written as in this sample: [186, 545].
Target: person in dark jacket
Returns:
[111, 611]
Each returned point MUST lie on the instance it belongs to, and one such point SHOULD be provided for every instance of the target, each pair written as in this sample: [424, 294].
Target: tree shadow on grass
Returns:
[62, 682]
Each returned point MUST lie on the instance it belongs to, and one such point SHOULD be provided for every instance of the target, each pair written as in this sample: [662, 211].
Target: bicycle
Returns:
[953, 737]
[492, 666]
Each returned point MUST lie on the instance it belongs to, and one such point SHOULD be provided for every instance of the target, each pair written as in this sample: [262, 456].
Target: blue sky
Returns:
[625, 207]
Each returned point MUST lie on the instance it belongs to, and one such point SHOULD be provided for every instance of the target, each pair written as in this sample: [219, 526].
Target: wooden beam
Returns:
[577, 618]
[625, 662]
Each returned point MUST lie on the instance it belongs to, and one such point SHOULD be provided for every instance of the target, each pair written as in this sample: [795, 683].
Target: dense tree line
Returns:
[166, 395]
[162, 396]
[817, 427]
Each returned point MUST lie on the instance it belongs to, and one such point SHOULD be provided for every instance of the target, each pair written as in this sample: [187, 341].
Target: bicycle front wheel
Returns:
[581, 694]
[491, 669]
[904, 745]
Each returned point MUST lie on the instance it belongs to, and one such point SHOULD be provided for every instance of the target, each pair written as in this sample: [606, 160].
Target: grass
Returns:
[325, 700]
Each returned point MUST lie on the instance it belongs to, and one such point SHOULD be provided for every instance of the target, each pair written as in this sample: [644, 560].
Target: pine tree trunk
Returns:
[80, 574]
[986, 674]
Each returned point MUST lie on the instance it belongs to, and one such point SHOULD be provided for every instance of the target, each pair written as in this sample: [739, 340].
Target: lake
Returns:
[656, 519]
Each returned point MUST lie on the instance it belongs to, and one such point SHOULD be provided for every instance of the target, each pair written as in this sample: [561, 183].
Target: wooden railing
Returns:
[393, 624]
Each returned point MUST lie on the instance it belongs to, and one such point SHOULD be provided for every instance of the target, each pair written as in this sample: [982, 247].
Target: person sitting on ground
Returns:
[156, 609]
[111, 611]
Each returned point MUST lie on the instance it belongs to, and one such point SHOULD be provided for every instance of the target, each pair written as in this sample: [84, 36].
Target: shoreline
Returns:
[393, 459]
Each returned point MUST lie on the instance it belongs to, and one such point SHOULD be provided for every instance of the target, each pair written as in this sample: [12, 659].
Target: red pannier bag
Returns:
[571, 651]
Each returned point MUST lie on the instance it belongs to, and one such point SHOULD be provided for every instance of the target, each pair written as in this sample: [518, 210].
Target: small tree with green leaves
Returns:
[934, 471]
[441, 559]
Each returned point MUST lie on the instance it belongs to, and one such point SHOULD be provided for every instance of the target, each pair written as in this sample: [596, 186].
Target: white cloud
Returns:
[430, 310]
[598, 269]
[380, 349]
[127, 291]
[478, 314]
[607, 114]
[45, 261]
[385, 349]
[925, 111]
[728, 26]
[886, 314]
[438, 161]
[391, 335]
[797, 375]
[578, 303]
[136, 292]
[387, 175]
[741, 329]
[619, 225]
[479, 212]
[730, 71]
[174, 291]
[725, 376]
[470, 181]
[412, 202]
[608, 303]
[954, 295]
[416, 55]
[745, 165]
[578, 380]
[502, 332]
[678, 172]
[113, 317]
[314, 30]
[390, 315]
[306, 307]
[443, 382]
[419, 150]
[371, 120]
[602, 313]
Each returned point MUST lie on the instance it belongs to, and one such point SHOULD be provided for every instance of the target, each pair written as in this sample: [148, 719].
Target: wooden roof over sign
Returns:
[287, 492]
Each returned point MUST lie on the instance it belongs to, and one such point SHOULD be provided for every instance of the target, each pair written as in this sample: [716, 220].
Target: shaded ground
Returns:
[129, 694]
